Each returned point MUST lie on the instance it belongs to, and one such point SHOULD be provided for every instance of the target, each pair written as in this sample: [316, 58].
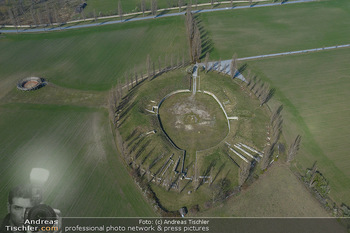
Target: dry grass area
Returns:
[193, 122]
[277, 193]
[314, 89]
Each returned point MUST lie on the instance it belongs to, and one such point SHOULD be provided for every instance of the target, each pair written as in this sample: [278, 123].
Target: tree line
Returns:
[134, 76]
[37, 12]
[193, 36]
[264, 93]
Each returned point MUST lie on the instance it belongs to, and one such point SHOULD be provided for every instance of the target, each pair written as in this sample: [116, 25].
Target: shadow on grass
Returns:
[185, 186]
[217, 174]
[240, 70]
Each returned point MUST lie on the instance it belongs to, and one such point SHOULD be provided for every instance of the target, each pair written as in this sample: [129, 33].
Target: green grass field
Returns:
[87, 177]
[266, 30]
[314, 89]
[93, 58]
[62, 126]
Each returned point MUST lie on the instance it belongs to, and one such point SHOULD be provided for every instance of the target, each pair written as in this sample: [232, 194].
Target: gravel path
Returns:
[225, 65]
[147, 17]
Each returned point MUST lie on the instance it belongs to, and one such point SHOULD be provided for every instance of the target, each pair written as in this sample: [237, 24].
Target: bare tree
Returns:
[247, 78]
[135, 75]
[159, 65]
[180, 5]
[231, 3]
[233, 65]
[293, 149]
[32, 14]
[189, 5]
[243, 172]
[276, 114]
[148, 65]
[56, 15]
[95, 17]
[12, 17]
[196, 2]
[212, 3]
[250, 2]
[206, 62]
[165, 62]
[183, 60]
[313, 175]
[266, 94]
[265, 161]
[143, 7]
[178, 61]
[38, 13]
[120, 89]
[219, 65]
[232, 70]
[112, 105]
[193, 36]
[196, 45]
[257, 86]
[120, 10]
[171, 61]
[83, 13]
[48, 13]
[127, 82]
[154, 7]
[276, 125]
[17, 17]
[20, 7]
[190, 30]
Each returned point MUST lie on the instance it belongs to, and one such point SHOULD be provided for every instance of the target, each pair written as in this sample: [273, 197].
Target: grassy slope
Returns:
[315, 90]
[250, 32]
[276, 194]
[75, 143]
[93, 58]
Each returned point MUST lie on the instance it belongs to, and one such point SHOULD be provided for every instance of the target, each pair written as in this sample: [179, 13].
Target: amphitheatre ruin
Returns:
[192, 136]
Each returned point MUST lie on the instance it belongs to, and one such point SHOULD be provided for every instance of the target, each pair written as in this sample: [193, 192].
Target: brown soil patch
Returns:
[30, 84]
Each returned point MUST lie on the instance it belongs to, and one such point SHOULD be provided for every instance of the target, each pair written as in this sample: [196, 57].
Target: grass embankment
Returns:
[314, 89]
[258, 31]
[91, 58]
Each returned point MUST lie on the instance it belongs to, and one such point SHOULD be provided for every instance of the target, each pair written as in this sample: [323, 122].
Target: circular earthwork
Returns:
[31, 83]
[193, 122]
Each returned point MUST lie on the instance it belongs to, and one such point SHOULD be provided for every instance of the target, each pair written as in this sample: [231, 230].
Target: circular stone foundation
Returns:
[31, 83]
[193, 122]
